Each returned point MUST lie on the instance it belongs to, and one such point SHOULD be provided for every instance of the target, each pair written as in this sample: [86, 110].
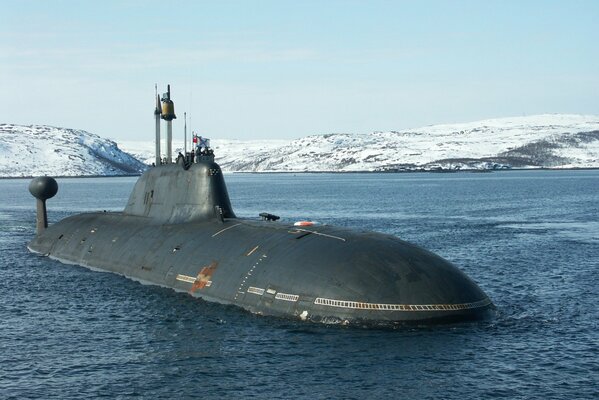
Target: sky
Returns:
[287, 69]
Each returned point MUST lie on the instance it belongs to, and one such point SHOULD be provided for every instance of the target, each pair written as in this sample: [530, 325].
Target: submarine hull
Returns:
[179, 230]
[318, 273]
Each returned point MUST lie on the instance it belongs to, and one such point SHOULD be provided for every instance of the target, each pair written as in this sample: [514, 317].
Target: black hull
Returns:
[319, 273]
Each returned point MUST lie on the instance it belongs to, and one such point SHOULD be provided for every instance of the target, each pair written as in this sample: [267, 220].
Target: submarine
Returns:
[178, 230]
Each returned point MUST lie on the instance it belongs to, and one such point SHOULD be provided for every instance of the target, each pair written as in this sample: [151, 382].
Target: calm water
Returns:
[530, 239]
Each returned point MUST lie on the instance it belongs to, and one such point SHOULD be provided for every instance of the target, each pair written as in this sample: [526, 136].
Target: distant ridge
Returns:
[537, 141]
[35, 150]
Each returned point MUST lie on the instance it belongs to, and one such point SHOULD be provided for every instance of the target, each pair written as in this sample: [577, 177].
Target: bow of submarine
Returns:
[341, 274]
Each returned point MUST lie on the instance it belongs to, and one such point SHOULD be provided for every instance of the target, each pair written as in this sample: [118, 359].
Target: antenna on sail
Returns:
[191, 106]
[157, 113]
[185, 133]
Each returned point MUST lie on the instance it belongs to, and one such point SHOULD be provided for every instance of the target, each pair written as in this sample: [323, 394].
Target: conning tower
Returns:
[191, 190]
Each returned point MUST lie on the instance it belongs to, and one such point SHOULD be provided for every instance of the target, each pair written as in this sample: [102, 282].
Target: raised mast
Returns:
[157, 113]
[168, 114]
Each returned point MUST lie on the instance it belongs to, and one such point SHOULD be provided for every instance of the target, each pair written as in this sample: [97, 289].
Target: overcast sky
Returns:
[286, 69]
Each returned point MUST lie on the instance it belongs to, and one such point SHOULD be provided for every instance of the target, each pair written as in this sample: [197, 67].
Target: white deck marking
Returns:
[247, 275]
[186, 278]
[252, 251]
[287, 297]
[191, 279]
[322, 234]
[400, 307]
[256, 290]
[226, 229]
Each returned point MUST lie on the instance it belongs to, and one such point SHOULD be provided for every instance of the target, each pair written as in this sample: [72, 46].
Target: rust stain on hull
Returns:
[203, 278]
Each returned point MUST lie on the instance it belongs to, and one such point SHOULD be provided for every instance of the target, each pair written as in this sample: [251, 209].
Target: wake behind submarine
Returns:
[179, 230]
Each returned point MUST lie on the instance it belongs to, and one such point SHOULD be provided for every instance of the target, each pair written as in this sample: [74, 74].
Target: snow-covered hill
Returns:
[45, 150]
[550, 140]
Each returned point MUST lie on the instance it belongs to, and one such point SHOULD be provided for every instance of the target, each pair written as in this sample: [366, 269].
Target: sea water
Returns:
[530, 239]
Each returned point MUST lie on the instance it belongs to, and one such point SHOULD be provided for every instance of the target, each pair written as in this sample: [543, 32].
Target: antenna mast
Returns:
[157, 113]
[185, 133]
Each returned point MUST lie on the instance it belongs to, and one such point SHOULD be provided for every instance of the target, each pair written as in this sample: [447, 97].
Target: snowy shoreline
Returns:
[549, 141]
[462, 171]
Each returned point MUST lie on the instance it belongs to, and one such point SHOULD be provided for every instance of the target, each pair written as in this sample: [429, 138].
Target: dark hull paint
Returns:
[320, 273]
